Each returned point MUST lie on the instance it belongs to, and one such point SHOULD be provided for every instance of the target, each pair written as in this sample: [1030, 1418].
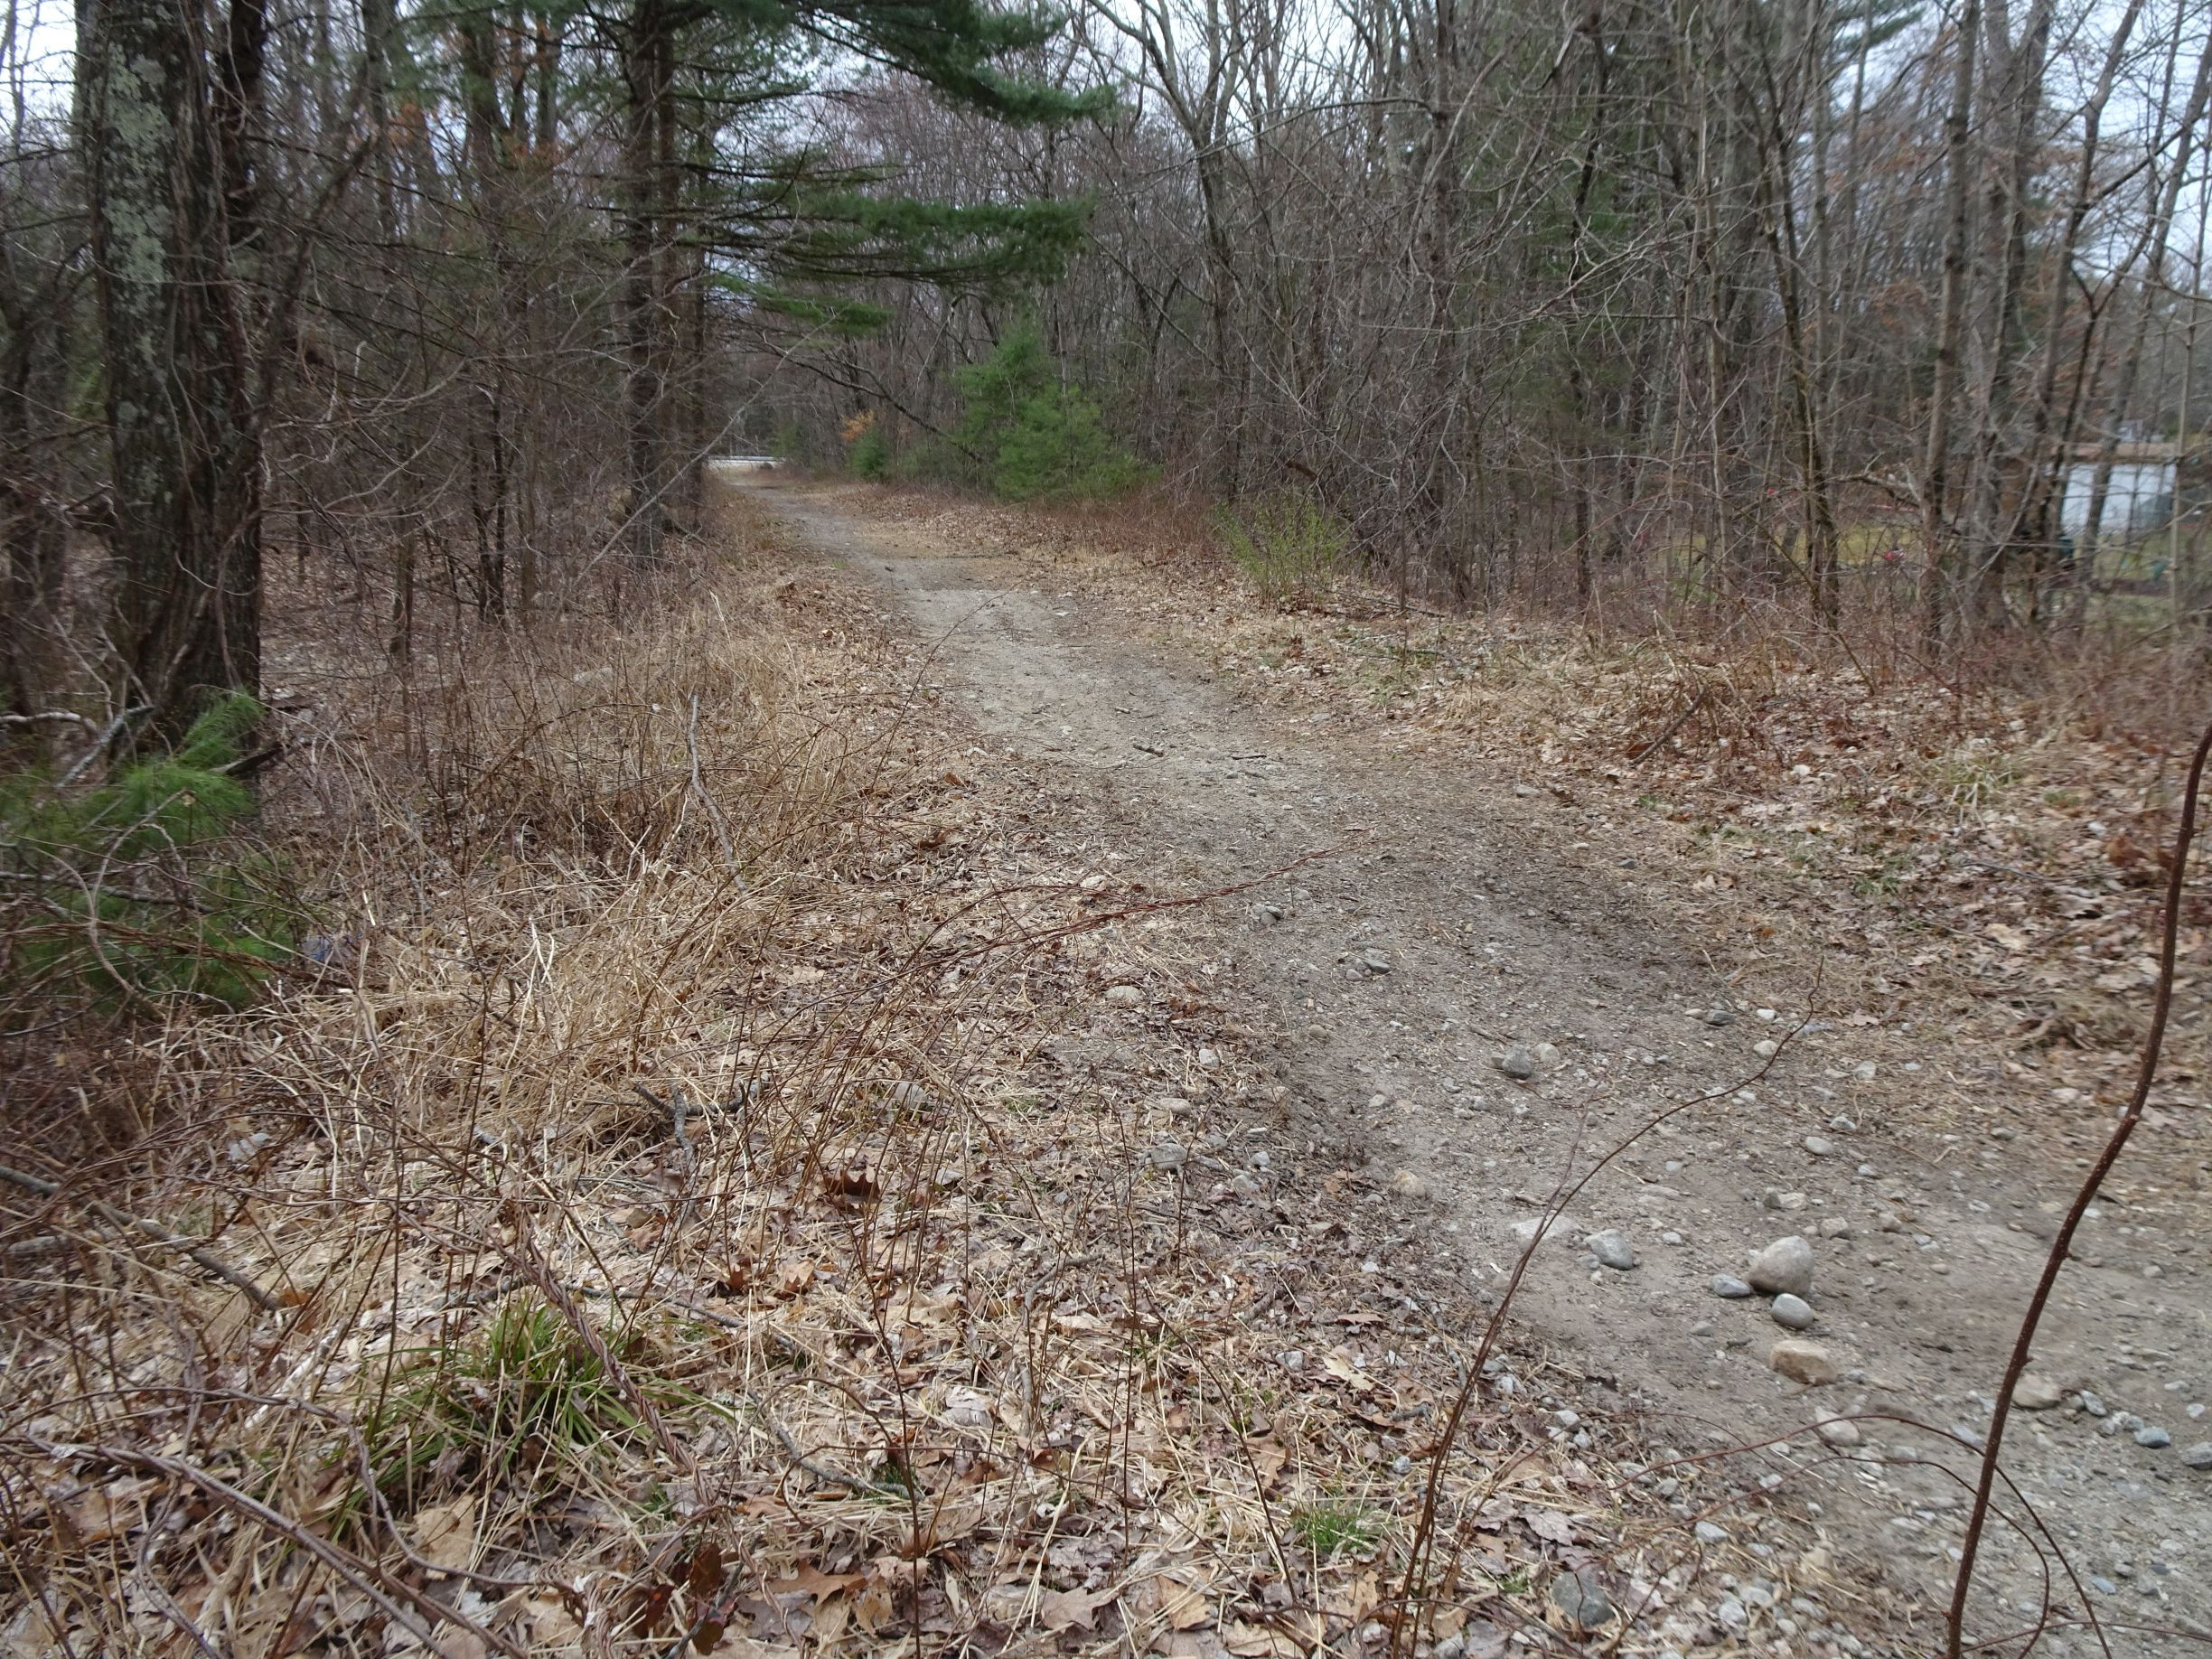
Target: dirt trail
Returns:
[1454, 924]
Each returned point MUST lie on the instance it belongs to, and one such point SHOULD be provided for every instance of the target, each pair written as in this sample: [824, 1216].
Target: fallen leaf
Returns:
[1069, 1610]
[1338, 1364]
[1268, 1458]
[794, 1277]
[1184, 1604]
[811, 1580]
[1549, 1525]
[445, 1533]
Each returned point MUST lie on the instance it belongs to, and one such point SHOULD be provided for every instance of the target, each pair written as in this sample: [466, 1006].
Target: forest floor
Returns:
[1902, 1068]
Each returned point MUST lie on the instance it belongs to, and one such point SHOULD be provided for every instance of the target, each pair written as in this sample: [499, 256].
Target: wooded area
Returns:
[1853, 308]
[1493, 623]
[1867, 313]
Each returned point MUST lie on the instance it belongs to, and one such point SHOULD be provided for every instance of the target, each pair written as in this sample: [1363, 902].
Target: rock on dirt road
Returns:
[1498, 934]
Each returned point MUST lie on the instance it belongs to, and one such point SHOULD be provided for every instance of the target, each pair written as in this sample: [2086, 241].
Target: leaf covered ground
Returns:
[727, 1172]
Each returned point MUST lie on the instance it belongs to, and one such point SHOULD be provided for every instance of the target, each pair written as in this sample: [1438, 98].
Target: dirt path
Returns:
[1453, 926]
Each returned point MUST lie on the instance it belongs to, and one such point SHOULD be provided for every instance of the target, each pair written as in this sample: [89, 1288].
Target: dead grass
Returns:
[707, 1195]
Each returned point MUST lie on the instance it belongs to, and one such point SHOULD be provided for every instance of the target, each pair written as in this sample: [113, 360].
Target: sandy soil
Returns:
[1452, 917]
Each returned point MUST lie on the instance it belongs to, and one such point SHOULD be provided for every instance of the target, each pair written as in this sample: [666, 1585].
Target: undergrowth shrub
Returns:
[1040, 437]
[524, 1401]
[867, 449]
[125, 890]
[1289, 547]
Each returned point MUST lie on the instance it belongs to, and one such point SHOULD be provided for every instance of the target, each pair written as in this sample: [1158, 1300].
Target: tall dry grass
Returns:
[570, 895]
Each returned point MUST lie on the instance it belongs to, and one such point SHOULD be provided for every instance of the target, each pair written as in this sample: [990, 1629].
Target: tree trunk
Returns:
[644, 51]
[1935, 472]
[171, 203]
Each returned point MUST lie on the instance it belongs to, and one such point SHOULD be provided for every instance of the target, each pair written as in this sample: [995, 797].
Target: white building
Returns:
[2139, 498]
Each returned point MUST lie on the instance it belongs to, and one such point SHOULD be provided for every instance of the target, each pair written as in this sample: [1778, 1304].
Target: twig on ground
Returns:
[379, 1586]
[2062, 1242]
[152, 1229]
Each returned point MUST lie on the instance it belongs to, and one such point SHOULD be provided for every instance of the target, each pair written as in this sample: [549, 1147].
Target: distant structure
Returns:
[2146, 479]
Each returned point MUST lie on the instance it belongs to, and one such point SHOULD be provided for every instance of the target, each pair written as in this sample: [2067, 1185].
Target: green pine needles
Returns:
[1040, 437]
[120, 894]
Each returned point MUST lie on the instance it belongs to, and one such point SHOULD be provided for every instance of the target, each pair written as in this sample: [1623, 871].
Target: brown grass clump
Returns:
[691, 1187]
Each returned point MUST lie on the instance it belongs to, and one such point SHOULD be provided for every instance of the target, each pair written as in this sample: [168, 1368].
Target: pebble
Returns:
[1124, 996]
[1722, 1015]
[1711, 1533]
[1580, 1597]
[1518, 1063]
[1804, 1361]
[1611, 1250]
[1819, 1146]
[1839, 1433]
[1407, 1185]
[2092, 1404]
[1765, 1049]
[2199, 1455]
[1784, 1265]
[1834, 1227]
[1793, 1312]
[1733, 1288]
[2036, 1393]
[2153, 1437]
[1168, 1155]
[1267, 916]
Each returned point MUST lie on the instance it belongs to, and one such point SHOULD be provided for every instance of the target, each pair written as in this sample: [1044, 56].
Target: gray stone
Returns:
[1793, 1312]
[1784, 1266]
[1839, 1432]
[1611, 1250]
[2153, 1437]
[1819, 1146]
[1722, 1015]
[2199, 1455]
[1726, 1285]
[1517, 1061]
[1582, 1599]
[2036, 1393]
[1709, 1533]
[1168, 1155]
[2092, 1404]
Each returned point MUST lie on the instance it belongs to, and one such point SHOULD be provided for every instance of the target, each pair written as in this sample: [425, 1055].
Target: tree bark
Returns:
[170, 194]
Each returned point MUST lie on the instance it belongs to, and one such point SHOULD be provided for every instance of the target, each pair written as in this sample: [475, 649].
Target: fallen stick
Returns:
[152, 1229]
